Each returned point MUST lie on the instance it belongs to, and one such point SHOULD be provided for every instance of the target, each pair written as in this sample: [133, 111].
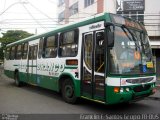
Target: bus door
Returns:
[32, 64]
[93, 62]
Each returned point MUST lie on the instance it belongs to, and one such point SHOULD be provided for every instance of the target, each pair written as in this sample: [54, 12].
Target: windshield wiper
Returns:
[126, 32]
[133, 37]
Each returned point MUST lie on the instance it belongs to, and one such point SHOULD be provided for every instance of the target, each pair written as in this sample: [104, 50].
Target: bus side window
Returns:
[41, 44]
[7, 52]
[68, 46]
[12, 52]
[19, 52]
[25, 51]
[50, 49]
[32, 52]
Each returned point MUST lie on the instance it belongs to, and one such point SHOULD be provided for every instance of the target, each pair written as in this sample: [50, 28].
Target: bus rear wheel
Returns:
[68, 92]
[17, 82]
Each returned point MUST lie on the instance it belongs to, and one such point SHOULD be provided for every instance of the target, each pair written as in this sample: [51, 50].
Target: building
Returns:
[73, 10]
[145, 11]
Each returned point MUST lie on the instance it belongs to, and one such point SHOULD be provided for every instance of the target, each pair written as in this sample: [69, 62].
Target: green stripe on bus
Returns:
[26, 65]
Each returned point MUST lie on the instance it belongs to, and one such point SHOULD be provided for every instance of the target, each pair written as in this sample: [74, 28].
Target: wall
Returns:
[110, 6]
[152, 17]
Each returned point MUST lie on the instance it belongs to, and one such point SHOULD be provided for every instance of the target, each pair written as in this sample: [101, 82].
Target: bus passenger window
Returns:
[12, 53]
[30, 54]
[51, 47]
[19, 52]
[7, 52]
[25, 51]
[68, 44]
[35, 52]
[41, 43]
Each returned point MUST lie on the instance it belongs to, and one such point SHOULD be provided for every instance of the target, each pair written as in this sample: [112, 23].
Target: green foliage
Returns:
[1, 53]
[11, 36]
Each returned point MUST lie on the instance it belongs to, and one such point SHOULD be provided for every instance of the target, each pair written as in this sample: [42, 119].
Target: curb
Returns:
[154, 98]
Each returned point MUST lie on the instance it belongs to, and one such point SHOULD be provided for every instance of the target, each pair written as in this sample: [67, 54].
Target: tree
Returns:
[12, 36]
[1, 53]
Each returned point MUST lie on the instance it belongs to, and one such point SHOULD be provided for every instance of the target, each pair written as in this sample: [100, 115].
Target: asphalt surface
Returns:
[35, 100]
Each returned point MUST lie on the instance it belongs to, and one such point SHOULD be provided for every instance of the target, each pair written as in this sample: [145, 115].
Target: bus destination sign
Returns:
[124, 21]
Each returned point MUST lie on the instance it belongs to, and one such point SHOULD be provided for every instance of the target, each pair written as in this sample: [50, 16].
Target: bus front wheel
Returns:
[68, 92]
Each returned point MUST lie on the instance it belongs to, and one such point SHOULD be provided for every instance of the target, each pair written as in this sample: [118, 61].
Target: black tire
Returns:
[68, 92]
[17, 82]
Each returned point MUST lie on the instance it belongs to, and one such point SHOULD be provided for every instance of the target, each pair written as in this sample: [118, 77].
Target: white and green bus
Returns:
[106, 58]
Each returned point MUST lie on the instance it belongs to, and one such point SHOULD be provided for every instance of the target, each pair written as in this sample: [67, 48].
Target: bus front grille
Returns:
[141, 88]
[140, 80]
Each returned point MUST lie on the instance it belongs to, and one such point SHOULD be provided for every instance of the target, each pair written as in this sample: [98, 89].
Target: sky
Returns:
[33, 16]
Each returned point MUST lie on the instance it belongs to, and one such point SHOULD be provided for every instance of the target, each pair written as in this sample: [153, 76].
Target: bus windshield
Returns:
[131, 53]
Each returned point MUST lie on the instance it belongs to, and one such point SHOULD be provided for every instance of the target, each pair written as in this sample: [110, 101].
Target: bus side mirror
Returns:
[110, 39]
[110, 33]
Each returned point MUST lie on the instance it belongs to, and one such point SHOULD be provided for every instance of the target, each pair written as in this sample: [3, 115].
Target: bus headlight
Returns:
[127, 89]
[121, 90]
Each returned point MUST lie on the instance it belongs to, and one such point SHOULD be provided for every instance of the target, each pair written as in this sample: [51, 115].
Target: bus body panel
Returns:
[88, 83]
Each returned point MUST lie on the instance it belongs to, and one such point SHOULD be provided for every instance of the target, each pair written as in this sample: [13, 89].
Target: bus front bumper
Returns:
[129, 93]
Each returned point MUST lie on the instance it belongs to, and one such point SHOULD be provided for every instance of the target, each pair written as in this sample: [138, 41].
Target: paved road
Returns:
[35, 100]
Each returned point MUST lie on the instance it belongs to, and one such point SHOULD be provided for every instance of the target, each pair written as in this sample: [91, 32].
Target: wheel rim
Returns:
[68, 91]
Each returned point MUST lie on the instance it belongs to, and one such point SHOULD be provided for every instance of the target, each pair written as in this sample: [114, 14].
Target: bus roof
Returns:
[82, 22]
[85, 21]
